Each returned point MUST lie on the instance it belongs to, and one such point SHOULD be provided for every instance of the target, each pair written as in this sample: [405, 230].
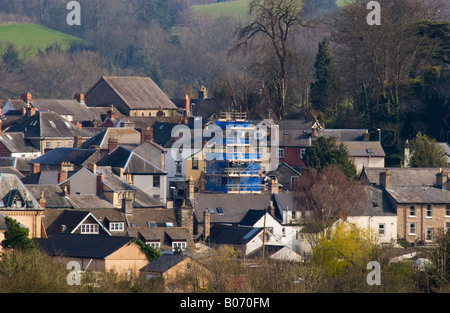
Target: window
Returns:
[447, 226]
[156, 181]
[429, 234]
[447, 210]
[280, 153]
[412, 228]
[89, 229]
[429, 212]
[179, 245]
[116, 226]
[52, 124]
[302, 153]
[178, 165]
[194, 163]
[293, 216]
[381, 229]
[154, 244]
[48, 144]
[60, 144]
[283, 232]
[412, 210]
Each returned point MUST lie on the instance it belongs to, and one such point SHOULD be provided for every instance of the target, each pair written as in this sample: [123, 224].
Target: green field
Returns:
[237, 8]
[35, 36]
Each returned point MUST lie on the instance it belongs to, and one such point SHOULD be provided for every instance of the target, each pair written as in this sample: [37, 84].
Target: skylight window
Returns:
[52, 123]
[169, 224]
[211, 210]
[152, 224]
[219, 210]
[369, 151]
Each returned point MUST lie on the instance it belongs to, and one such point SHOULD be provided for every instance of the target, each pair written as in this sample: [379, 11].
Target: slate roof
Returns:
[44, 177]
[343, 135]
[53, 195]
[377, 203]
[82, 246]
[124, 135]
[90, 202]
[75, 156]
[79, 111]
[402, 177]
[16, 143]
[252, 217]
[131, 162]
[232, 234]
[287, 201]
[141, 217]
[163, 263]
[9, 182]
[45, 125]
[418, 195]
[136, 92]
[364, 148]
[235, 206]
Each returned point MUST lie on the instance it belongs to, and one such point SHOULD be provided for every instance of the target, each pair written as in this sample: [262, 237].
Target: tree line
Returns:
[287, 59]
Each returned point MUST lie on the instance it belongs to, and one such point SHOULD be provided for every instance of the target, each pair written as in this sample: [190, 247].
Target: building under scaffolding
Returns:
[234, 167]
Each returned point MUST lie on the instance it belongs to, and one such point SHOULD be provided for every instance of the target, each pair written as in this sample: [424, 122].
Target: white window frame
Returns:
[447, 210]
[429, 234]
[429, 209]
[89, 228]
[302, 153]
[179, 244]
[280, 153]
[413, 226]
[154, 244]
[382, 229]
[412, 207]
[116, 226]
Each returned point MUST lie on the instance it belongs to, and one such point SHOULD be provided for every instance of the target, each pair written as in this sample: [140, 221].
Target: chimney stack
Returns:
[206, 225]
[366, 136]
[110, 112]
[62, 175]
[77, 141]
[146, 134]
[42, 200]
[187, 217]
[35, 168]
[66, 191]
[79, 97]
[27, 97]
[113, 143]
[203, 93]
[127, 205]
[274, 187]
[100, 184]
[385, 179]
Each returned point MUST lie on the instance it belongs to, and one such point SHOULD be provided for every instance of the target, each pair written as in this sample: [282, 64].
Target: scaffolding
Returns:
[233, 169]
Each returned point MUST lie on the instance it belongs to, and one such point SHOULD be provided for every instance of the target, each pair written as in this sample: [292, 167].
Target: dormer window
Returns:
[181, 245]
[116, 226]
[89, 229]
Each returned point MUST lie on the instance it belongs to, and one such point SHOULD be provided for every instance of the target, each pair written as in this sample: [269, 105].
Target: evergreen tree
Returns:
[16, 237]
[325, 151]
[327, 92]
[426, 152]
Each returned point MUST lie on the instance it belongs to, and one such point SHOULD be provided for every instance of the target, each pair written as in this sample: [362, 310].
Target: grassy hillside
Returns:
[35, 36]
[237, 8]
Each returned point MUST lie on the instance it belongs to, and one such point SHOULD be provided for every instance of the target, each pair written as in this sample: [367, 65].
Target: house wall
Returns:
[371, 223]
[129, 257]
[436, 222]
[83, 183]
[28, 218]
[147, 113]
[361, 162]
[145, 183]
[292, 156]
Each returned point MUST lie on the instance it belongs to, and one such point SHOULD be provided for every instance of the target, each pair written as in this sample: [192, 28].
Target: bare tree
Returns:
[326, 196]
[271, 33]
